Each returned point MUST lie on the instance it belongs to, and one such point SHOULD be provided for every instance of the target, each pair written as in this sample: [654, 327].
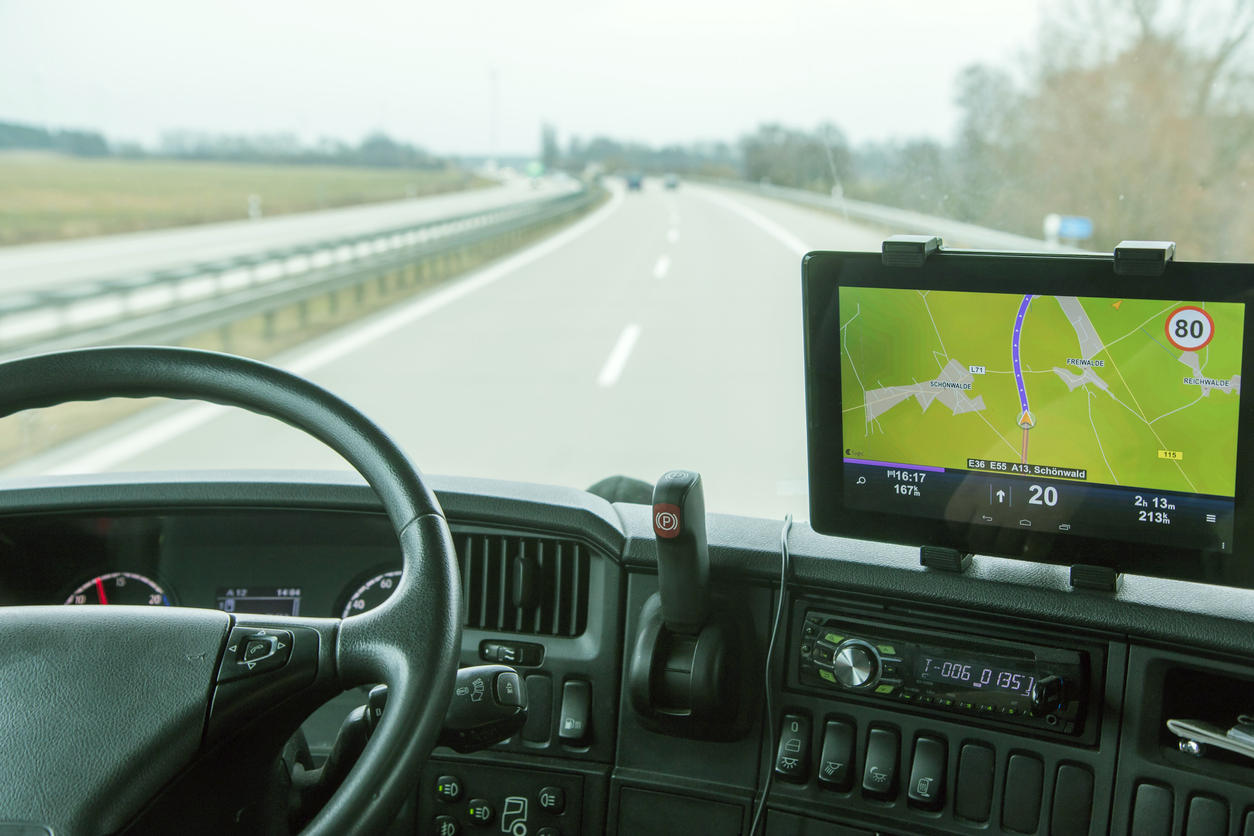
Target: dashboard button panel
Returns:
[1072, 810]
[1021, 798]
[973, 793]
[879, 773]
[926, 789]
[792, 760]
[836, 758]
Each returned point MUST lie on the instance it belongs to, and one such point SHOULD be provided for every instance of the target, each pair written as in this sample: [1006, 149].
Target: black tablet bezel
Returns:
[823, 273]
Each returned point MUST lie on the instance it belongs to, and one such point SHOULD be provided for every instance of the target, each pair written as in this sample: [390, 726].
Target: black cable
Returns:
[770, 664]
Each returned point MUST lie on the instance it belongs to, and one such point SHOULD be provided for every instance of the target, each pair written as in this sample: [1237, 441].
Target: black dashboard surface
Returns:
[322, 532]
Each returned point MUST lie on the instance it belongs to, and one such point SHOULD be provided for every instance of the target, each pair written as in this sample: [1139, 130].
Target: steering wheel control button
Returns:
[552, 800]
[879, 775]
[481, 812]
[856, 665]
[445, 826]
[835, 772]
[448, 788]
[573, 725]
[792, 761]
[509, 689]
[252, 650]
[927, 776]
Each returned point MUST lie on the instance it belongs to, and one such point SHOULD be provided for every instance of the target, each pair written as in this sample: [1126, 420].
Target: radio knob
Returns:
[856, 665]
[1047, 694]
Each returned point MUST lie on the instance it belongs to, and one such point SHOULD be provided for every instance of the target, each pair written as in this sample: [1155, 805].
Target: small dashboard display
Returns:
[260, 600]
[972, 672]
[1073, 415]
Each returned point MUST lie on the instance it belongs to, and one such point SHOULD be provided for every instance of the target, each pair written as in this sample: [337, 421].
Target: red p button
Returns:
[666, 520]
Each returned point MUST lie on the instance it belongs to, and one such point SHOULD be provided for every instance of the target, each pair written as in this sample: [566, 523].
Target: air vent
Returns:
[532, 585]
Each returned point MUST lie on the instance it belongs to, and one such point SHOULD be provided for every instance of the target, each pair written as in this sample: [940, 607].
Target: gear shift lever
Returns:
[683, 557]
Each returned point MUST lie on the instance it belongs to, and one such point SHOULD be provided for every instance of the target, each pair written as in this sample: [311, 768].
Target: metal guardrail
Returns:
[169, 304]
[954, 233]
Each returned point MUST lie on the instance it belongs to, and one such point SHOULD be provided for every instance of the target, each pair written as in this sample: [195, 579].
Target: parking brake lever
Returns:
[683, 556]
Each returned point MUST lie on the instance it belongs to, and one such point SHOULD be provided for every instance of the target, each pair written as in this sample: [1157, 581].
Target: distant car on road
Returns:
[672, 181]
[635, 181]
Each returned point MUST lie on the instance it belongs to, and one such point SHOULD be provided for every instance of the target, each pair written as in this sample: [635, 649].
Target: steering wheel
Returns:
[105, 707]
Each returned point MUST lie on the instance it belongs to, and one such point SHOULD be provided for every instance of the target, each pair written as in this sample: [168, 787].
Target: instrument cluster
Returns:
[311, 563]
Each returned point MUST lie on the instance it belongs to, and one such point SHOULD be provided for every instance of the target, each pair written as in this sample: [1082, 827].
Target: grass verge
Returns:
[45, 197]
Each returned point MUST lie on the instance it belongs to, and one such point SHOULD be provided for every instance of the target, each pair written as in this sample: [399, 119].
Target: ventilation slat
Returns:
[557, 579]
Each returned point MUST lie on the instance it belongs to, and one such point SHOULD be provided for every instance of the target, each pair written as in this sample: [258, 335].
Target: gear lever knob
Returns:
[683, 556]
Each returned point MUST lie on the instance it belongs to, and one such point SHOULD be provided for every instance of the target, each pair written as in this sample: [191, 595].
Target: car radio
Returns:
[1024, 685]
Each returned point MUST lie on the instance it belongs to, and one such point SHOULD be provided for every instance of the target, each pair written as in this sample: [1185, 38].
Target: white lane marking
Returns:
[618, 357]
[188, 418]
[756, 218]
[662, 267]
[673, 235]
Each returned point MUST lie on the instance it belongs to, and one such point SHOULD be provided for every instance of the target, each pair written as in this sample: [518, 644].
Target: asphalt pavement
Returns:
[662, 331]
[57, 263]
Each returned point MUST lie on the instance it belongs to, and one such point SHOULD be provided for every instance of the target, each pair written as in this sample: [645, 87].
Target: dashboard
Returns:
[946, 739]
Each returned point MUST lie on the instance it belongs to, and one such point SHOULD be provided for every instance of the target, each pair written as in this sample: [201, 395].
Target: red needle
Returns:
[100, 591]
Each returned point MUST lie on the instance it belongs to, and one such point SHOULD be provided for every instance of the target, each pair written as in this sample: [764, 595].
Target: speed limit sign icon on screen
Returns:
[1190, 328]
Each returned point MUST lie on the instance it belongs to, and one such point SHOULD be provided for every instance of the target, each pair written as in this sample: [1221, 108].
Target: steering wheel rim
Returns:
[411, 642]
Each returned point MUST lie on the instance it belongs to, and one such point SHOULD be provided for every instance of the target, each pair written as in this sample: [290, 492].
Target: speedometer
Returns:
[120, 588]
[372, 593]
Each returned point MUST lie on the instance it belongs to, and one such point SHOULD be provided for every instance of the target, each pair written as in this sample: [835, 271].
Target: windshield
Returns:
[560, 242]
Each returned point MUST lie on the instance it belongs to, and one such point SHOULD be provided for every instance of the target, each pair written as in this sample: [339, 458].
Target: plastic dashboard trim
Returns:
[1171, 612]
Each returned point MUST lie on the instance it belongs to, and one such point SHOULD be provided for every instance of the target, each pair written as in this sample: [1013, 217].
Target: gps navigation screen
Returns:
[1113, 418]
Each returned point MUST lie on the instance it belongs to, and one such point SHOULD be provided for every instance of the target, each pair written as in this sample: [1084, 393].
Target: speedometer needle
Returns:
[100, 591]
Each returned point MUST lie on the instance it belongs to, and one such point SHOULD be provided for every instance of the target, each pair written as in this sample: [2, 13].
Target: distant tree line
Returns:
[1136, 113]
[375, 151]
[78, 143]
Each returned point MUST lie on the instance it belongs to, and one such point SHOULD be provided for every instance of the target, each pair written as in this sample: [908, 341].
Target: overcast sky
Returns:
[657, 71]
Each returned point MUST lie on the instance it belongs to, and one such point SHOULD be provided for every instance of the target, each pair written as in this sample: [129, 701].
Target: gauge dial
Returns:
[120, 588]
[372, 593]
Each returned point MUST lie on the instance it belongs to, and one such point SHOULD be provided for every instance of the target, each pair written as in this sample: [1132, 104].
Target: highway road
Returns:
[44, 266]
[662, 331]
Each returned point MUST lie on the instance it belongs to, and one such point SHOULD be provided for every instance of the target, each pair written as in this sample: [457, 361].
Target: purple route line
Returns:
[1014, 352]
[896, 464]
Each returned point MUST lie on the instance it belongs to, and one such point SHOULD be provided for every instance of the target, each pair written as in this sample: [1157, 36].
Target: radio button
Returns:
[824, 654]
[833, 638]
[879, 774]
[888, 650]
[856, 665]
[927, 774]
[835, 770]
[883, 689]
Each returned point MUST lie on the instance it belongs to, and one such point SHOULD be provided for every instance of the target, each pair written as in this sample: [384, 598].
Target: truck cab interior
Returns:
[1010, 592]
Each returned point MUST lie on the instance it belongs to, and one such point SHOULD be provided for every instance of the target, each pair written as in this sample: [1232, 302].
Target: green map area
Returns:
[941, 377]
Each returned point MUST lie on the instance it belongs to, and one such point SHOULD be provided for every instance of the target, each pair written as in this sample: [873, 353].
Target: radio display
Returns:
[974, 673]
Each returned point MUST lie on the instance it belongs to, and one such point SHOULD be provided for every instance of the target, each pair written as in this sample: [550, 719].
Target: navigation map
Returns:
[1131, 392]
